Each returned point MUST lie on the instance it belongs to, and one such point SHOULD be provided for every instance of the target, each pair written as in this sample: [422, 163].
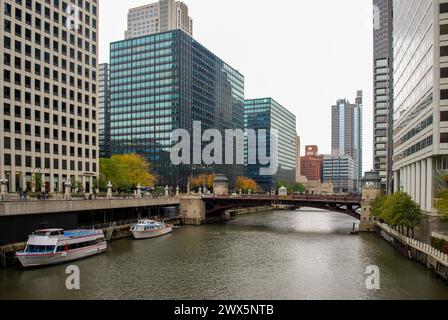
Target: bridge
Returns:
[349, 205]
[203, 208]
[20, 218]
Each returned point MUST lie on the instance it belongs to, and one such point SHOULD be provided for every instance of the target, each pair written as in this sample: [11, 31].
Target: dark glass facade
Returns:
[267, 114]
[104, 110]
[164, 82]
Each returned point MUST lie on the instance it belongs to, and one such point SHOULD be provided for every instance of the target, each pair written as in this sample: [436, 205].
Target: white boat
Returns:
[54, 246]
[147, 229]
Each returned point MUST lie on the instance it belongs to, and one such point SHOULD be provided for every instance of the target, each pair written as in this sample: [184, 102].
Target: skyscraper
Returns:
[164, 82]
[347, 134]
[267, 114]
[48, 103]
[383, 92]
[420, 98]
[161, 16]
[340, 171]
[299, 177]
[104, 110]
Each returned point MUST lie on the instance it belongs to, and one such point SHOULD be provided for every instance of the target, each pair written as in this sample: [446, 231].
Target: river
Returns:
[307, 254]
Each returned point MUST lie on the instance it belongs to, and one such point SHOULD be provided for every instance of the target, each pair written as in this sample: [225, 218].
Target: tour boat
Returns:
[147, 229]
[54, 246]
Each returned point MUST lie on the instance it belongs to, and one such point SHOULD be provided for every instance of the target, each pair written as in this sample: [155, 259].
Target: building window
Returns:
[444, 94]
[444, 51]
[444, 138]
[444, 7]
[444, 73]
[444, 116]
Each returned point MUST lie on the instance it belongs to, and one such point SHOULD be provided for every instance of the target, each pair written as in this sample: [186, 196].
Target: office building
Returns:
[104, 110]
[420, 98]
[340, 172]
[167, 81]
[48, 99]
[161, 16]
[312, 164]
[299, 177]
[383, 93]
[347, 134]
[267, 114]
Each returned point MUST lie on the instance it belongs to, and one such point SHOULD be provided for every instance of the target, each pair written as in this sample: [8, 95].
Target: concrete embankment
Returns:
[413, 249]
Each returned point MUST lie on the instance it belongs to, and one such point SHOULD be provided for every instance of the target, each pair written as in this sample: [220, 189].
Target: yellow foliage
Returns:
[202, 180]
[243, 183]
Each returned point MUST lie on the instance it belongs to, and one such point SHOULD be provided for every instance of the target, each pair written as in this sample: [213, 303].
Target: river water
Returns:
[306, 254]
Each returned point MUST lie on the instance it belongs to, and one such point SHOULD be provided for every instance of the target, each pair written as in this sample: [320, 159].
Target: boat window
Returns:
[39, 249]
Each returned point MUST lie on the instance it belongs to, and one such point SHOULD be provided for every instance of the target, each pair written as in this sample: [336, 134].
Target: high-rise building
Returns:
[299, 177]
[48, 100]
[420, 98]
[340, 172]
[383, 93]
[312, 164]
[167, 81]
[347, 134]
[267, 114]
[161, 16]
[104, 110]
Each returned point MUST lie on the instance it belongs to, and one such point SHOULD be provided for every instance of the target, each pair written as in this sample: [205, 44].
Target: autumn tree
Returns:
[202, 180]
[126, 172]
[245, 184]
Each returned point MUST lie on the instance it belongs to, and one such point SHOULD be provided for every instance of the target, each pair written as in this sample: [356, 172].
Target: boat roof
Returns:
[80, 233]
[49, 230]
[71, 234]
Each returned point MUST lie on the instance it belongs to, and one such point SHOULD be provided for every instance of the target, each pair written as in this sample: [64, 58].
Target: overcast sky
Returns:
[304, 54]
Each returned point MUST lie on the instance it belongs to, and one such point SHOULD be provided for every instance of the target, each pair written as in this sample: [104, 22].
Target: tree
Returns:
[245, 184]
[202, 180]
[126, 172]
[37, 182]
[298, 187]
[399, 211]
[442, 203]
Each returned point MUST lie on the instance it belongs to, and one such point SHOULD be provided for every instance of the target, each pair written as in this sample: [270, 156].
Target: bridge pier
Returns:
[192, 210]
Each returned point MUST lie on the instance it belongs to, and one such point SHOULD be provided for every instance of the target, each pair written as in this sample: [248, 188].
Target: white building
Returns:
[420, 33]
[48, 99]
[164, 15]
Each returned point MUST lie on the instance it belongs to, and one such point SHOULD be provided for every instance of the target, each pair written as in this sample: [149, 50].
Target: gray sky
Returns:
[304, 54]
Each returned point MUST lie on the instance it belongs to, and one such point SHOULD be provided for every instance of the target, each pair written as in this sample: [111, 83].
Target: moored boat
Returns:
[55, 246]
[147, 229]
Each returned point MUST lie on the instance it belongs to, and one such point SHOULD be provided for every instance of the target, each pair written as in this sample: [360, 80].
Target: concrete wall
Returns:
[40, 207]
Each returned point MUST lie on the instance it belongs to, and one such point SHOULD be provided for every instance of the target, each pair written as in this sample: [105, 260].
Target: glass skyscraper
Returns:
[268, 114]
[383, 92]
[164, 82]
[104, 109]
[347, 134]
